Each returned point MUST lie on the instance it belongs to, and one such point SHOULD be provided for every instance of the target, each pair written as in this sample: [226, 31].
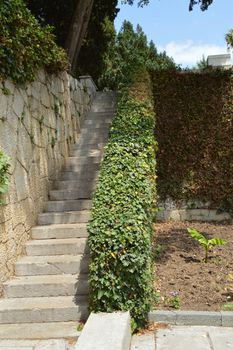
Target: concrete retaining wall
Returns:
[189, 211]
[38, 125]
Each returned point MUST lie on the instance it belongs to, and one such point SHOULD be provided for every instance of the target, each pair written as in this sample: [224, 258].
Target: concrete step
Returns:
[87, 152]
[94, 133]
[100, 117]
[102, 108]
[36, 310]
[82, 168]
[114, 328]
[74, 184]
[69, 217]
[52, 265]
[78, 175]
[61, 195]
[61, 206]
[60, 231]
[83, 160]
[101, 129]
[96, 122]
[86, 144]
[69, 246]
[52, 330]
[46, 286]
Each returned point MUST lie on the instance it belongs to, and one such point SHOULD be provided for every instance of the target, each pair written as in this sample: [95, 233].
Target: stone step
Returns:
[87, 152]
[69, 246]
[52, 330]
[45, 309]
[60, 195]
[52, 265]
[75, 184]
[102, 108]
[60, 231]
[97, 135]
[69, 217]
[80, 160]
[100, 116]
[46, 286]
[94, 133]
[77, 175]
[83, 145]
[61, 206]
[96, 122]
[82, 168]
[100, 129]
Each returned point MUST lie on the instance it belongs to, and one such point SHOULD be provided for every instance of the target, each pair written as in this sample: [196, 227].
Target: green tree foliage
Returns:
[56, 13]
[129, 52]
[229, 38]
[25, 45]
[202, 64]
[100, 33]
[204, 4]
[59, 14]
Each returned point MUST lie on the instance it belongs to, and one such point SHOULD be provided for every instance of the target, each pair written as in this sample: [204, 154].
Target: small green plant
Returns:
[4, 168]
[80, 327]
[207, 244]
[158, 250]
[5, 91]
[228, 307]
[174, 300]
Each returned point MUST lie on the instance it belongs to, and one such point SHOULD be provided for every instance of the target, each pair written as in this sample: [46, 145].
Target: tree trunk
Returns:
[78, 30]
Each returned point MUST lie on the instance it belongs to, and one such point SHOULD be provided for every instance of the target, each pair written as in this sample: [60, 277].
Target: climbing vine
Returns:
[4, 168]
[25, 46]
[121, 225]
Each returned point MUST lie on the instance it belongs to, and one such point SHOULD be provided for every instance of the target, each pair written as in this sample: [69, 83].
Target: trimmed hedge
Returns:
[120, 229]
[25, 46]
[194, 130]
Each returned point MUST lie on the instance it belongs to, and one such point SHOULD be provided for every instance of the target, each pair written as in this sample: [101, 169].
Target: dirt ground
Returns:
[182, 279]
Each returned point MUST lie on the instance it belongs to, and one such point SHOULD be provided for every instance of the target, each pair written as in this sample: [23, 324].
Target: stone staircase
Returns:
[49, 294]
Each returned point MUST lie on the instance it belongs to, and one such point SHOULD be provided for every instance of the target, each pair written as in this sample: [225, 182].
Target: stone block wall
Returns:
[189, 211]
[38, 125]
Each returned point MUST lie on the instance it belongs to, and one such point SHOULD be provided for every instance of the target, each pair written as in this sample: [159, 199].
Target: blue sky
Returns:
[185, 35]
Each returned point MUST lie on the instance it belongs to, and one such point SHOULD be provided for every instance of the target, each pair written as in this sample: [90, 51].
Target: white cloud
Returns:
[188, 53]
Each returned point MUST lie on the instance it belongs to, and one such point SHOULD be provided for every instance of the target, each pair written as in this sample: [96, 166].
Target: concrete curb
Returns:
[106, 331]
[193, 318]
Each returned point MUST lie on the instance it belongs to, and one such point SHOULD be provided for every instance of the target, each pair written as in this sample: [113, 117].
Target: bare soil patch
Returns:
[182, 279]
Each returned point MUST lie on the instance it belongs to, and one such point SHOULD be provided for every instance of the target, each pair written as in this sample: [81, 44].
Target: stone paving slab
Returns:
[143, 342]
[194, 338]
[52, 344]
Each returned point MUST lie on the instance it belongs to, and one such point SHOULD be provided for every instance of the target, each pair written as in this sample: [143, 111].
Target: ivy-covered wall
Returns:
[38, 125]
[120, 228]
[194, 130]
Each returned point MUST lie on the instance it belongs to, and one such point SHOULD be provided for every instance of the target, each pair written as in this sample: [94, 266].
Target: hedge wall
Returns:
[120, 229]
[194, 130]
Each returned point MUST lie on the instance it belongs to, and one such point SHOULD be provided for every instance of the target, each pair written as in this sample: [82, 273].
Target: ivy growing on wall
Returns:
[25, 45]
[4, 168]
